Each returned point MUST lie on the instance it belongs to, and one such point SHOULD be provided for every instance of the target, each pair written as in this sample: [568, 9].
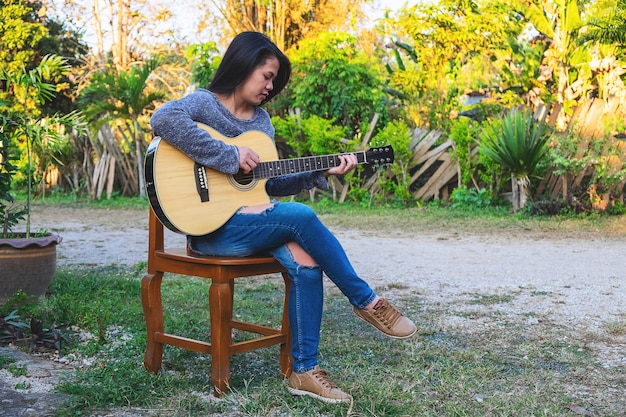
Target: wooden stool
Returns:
[222, 271]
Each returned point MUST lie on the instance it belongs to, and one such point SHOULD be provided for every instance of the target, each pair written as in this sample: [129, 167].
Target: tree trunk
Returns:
[521, 190]
[99, 34]
[515, 193]
[120, 25]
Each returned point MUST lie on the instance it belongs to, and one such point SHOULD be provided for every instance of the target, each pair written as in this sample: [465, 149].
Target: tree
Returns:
[26, 36]
[333, 79]
[123, 31]
[124, 97]
[24, 124]
[442, 49]
[20, 34]
[564, 66]
[205, 59]
[607, 24]
[287, 22]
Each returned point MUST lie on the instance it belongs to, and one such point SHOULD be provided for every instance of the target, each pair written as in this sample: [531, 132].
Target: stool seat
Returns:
[223, 272]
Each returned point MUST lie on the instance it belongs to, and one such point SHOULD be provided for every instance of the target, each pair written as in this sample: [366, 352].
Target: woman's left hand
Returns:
[346, 164]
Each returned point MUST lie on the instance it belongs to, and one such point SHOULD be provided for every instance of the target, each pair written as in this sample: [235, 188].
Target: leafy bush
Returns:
[547, 207]
[333, 78]
[10, 212]
[312, 135]
[470, 198]
[13, 330]
[397, 134]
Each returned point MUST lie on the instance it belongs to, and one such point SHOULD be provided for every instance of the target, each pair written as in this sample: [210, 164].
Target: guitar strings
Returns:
[280, 167]
[294, 165]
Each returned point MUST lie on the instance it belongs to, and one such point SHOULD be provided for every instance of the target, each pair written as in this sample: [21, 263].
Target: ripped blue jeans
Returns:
[269, 232]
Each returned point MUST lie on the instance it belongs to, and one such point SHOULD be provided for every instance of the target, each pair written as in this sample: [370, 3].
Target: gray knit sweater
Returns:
[176, 123]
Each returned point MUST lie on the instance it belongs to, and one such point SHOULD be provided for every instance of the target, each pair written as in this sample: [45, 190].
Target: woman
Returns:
[253, 71]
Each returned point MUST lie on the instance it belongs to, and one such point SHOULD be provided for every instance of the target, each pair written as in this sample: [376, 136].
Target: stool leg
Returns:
[153, 313]
[221, 312]
[285, 348]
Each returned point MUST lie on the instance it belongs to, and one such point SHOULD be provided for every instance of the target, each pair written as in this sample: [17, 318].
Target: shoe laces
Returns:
[386, 313]
[322, 377]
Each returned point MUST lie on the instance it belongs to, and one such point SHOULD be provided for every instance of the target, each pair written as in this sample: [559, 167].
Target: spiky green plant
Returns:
[518, 142]
[23, 122]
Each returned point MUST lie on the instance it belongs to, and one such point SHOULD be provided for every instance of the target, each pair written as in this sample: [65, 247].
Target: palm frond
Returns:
[516, 141]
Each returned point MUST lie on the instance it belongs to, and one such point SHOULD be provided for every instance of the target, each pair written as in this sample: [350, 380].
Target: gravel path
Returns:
[576, 281]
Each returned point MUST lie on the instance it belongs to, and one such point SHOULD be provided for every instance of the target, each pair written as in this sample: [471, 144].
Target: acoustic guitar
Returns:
[192, 199]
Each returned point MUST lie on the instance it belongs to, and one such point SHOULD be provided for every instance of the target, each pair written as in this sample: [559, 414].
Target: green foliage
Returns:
[565, 62]
[323, 137]
[520, 72]
[448, 47]
[124, 98]
[312, 135]
[14, 331]
[564, 153]
[10, 212]
[108, 296]
[27, 127]
[550, 207]
[19, 34]
[572, 153]
[290, 130]
[516, 141]
[470, 199]
[607, 24]
[28, 33]
[20, 301]
[476, 170]
[113, 95]
[11, 327]
[610, 171]
[204, 58]
[465, 133]
[332, 78]
[397, 134]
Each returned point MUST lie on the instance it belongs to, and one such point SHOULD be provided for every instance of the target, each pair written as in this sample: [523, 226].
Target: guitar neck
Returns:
[273, 169]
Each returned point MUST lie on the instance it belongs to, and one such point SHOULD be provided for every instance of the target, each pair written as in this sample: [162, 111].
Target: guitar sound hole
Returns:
[242, 180]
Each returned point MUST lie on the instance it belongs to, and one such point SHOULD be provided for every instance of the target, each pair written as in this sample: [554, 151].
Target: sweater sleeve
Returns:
[292, 184]
[176, 122]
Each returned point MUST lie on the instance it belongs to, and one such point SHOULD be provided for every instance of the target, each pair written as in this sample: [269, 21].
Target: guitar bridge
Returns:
[202, 184]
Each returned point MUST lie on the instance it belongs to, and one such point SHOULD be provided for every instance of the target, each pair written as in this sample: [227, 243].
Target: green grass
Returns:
[500, 369]
[62, 199]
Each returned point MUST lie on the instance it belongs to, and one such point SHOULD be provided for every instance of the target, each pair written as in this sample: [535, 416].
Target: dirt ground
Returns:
[574, 279]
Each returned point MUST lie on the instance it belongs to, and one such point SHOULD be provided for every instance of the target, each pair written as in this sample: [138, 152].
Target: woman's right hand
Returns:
[248, 159]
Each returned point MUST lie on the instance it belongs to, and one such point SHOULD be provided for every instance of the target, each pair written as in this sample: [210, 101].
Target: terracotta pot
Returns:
[27, 265]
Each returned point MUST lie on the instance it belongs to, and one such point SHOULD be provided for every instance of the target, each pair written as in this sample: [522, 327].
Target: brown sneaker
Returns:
[317, 384]
[388, 320]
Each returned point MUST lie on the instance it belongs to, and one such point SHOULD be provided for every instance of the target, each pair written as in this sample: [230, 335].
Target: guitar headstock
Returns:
[382, 155]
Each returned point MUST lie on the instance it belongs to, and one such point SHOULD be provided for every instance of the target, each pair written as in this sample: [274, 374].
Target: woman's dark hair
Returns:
[247, 51]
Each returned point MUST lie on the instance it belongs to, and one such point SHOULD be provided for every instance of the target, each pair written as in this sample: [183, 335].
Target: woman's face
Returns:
[260, 82]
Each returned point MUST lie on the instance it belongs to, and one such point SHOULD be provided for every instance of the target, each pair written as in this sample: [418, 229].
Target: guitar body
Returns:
[195, 200]
[172, 189]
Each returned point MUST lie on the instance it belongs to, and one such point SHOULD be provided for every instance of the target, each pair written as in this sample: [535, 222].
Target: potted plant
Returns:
[27, 260]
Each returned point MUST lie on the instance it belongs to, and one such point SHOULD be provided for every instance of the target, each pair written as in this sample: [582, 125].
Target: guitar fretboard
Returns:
[296, 165]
